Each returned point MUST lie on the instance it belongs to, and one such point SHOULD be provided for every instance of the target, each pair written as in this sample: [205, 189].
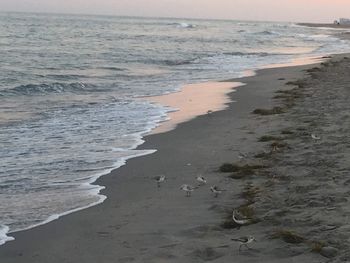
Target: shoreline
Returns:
[193, 100]
[193, 168]
[222, 100]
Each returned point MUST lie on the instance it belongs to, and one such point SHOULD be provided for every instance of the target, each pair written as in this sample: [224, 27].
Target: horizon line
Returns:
[148, 17]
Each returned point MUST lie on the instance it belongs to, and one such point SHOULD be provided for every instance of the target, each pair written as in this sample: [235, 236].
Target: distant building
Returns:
[344, 21]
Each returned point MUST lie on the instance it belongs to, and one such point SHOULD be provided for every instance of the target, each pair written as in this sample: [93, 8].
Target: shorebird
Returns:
[209, 112]
[201, 179]
[242, 221]
[315, 137]
[188, 189]
[216, 190]
[242, 155]
[244, 241]
[159, 179]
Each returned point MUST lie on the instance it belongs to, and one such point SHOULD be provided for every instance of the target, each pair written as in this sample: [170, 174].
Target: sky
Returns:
[265, 10]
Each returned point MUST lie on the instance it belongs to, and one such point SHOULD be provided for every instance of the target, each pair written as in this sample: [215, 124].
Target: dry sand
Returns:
[298, 202]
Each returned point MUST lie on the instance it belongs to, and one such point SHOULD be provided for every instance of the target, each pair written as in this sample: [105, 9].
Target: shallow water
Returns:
[68, 89]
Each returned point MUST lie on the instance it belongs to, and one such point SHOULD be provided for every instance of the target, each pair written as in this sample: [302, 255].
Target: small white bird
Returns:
[216, 190]
[244, 241]
[242, 221]
[188, 189]
[315, 137]
[201, 179]
[242, 155]
[160, 179]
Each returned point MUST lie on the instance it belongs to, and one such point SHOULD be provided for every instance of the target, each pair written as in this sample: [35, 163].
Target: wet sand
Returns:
[194, 100]
[294, 187]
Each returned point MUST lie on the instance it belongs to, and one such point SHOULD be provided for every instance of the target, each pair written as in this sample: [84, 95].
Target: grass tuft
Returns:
[228, 168]
[316, 246]
[298, 83]
[263, 155]
[250, 193]
[288, 236]
[239, 171]
[245, 170]
[287, 132]
[246, 210]
[268, 138]
[278, 145]
[275, 110]
[311, 70]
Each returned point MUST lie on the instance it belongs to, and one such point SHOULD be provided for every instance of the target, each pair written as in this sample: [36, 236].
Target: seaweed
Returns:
[288, 236]
[273, 111]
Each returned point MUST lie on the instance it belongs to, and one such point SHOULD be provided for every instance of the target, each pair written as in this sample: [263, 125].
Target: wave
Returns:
[4, 230]
[177, 62]
[170, 62]
[240, 54]
[183, 25]
[267, 33]
[42, 89]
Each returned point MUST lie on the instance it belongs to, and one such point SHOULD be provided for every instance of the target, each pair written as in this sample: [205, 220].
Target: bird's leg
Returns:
[247, 246]
[158, 184]
[240, 246]
[216, 194]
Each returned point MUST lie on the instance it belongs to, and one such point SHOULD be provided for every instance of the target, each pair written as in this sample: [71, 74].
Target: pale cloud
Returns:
[282, 10]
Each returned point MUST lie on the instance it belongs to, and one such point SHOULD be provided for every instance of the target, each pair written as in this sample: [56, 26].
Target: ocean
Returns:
[69, 89]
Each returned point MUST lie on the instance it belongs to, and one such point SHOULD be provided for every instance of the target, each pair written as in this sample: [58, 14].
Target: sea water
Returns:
[69, 85]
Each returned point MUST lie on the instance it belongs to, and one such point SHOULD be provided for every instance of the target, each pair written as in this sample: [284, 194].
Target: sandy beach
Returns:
[291, 125]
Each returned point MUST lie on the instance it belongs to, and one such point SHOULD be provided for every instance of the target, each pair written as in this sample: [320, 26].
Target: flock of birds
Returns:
[189, 188]
[237, 217]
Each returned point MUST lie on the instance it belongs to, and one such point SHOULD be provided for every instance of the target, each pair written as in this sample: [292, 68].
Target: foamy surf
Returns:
[3, 235]
[4, 230]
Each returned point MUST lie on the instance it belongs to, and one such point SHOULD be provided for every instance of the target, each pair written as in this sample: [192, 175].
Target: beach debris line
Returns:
[244, 241]
[188, 189]
[160, 179]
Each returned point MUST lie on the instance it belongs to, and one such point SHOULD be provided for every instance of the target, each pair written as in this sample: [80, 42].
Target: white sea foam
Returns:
[3, 235]
[4, 230]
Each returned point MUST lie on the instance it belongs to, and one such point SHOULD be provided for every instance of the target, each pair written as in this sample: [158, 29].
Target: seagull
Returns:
[240, 222]
[159, 179]
[214, 189]
[244, 241]
[188, 189]
[201, 179]
[315, 137]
